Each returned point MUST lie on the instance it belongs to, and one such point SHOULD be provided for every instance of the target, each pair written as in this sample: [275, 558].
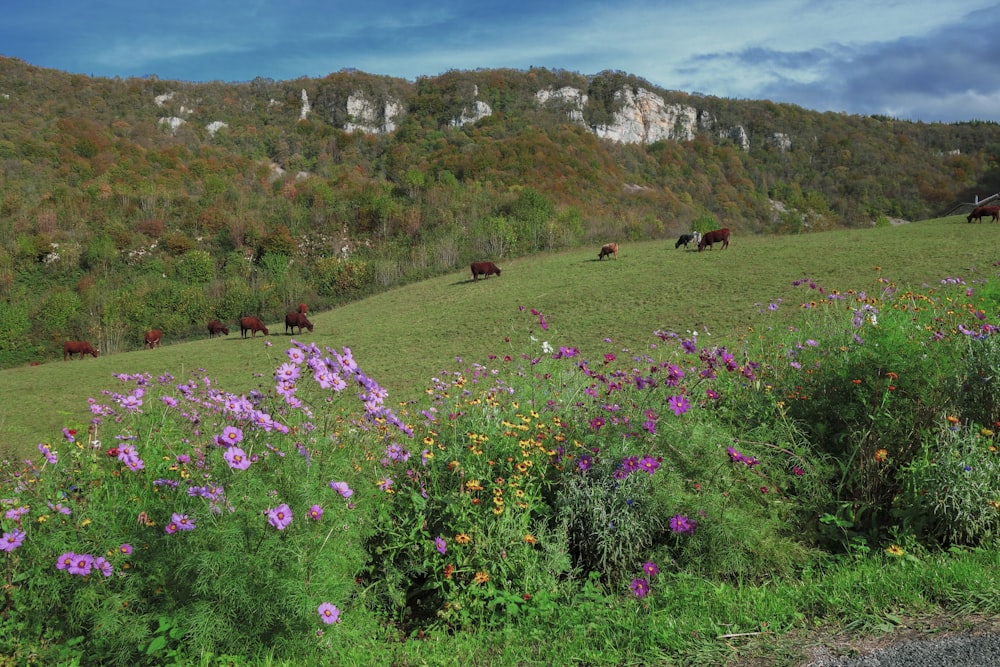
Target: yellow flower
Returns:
[895, 550]
[43, 518]
[85, 523]
[987, 432]
[462, 538]
[530, 539]
[473, 485]
[481, 577]
[881, 455]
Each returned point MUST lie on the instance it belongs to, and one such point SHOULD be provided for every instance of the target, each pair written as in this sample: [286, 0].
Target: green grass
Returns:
[404, 336]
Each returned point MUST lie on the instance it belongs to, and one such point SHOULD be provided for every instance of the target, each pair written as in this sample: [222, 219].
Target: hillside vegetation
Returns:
[129, 204]
[405, 336]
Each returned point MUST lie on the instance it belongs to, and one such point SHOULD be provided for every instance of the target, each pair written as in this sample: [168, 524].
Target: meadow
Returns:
[406, 335]
[729, 457]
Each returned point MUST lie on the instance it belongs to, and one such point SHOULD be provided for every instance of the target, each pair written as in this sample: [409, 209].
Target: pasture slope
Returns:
[404, 336]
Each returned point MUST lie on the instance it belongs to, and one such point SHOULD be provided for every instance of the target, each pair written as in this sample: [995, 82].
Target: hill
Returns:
[130, 204]
[404, 336]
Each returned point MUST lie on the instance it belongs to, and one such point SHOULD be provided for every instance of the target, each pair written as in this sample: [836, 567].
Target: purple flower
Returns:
[649, 464]
[679, 404]
[342, 488]
[82, 564]
[49, 455]
[179, 522]
[440, 546]
[236, 458]
[328, 613]
[681, 524]
[100, 563]
[12, 540]
[230, 436]
[280, 517]
[125, 549]
[650, 569]
[315, 512]
[640, 587]
[65, 560]
[585, 462]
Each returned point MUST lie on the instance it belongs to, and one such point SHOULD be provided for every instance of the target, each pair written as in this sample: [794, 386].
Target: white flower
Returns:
[546, 348]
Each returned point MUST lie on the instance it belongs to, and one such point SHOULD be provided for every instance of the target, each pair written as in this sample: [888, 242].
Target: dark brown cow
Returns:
[303, 309]
[80, 347]
[608, 249]
[484, 269]
[299, 320]
[253, 325]
[153, 338]
[981, 212]
[717, 236]
[216, 327]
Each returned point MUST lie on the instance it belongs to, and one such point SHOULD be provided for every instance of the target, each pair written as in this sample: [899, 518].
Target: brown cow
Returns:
[253, 325]
[80, 347]
[484, 269]
[153, 338]
[981, 212]
[608, 249]
[719, 235]
[299, 320]
[217, 327]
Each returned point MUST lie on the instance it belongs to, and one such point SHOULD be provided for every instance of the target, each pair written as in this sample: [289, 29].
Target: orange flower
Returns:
[952, 420]
[448, 569]
[462, 538]
[881, 455]
[481, 577]
[855, 381]
[530, 539]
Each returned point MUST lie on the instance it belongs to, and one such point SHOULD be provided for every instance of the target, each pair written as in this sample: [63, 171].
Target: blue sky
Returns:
[926, 60]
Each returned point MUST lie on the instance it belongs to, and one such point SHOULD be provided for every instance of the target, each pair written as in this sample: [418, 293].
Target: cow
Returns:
[153, 338]
[216, 327]
[484, 269]
[303, 309]
[253, 325]
[80, 347]
[693, 237]
[297, 319]
[719, 235]
[608, 249]
[981, 212]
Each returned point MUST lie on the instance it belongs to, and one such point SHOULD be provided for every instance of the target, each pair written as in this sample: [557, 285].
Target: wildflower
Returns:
[481, 577]
[70, 434]
[386, 484]
[125, 549]
[342, 488]
[679, 404]
[797, 471]
[328, 613]
[650, 569]
[462, 538]
[530, 539]
[649, 464]
[236, 458]
[881, 455]
[448, 569]
[230, 436]
[681, 524]
[640, 587]
[440, 546]
[952, 419]
[12, 540]
[280, 517]
[315, 512]
[895, 550]
[100, 563]
[64, 561]
[82, 564]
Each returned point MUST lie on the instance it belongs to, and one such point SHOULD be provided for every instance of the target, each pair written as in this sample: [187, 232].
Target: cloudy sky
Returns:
[926, 60]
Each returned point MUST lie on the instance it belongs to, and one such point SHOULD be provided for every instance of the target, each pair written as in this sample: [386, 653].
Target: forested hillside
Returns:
[129, 204]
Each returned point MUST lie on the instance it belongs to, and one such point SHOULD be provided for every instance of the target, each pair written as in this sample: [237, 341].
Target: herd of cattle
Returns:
[297, 318]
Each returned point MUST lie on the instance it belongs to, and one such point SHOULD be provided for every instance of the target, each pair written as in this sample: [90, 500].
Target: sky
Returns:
[920, 60]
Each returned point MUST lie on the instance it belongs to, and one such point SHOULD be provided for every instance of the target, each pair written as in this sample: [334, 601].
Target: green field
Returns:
[404, 336]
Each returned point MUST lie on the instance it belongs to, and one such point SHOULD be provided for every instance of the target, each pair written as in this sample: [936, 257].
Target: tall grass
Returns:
[690, 498]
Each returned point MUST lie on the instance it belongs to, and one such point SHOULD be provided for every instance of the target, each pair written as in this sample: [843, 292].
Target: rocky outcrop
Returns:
[366, 116]
[644, 117]
[573, 98]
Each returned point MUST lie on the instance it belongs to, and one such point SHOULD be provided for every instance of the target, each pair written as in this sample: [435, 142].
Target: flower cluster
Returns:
[83, 564]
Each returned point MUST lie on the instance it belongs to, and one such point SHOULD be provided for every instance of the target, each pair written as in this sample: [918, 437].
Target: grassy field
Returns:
[405, 336]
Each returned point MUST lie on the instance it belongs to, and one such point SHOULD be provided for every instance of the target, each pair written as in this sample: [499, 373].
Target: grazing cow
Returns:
[981, 212]
[80, 347]
[608, 249]
[299, 320]
[216, 327]
[253, 325]
[719, 235]
[693, 237]
[484, 269]
[303, 308]
[153, 338]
